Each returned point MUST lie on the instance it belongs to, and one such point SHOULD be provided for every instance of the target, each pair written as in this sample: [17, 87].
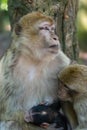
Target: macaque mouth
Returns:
[53, 48]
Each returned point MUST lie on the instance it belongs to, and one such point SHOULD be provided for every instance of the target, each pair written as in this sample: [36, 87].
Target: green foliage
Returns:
[82, 25]
[4, 20]
[3, 4]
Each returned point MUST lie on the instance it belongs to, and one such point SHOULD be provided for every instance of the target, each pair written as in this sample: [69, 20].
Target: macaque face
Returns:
[48, 36]
[64, 93]
[39, 33]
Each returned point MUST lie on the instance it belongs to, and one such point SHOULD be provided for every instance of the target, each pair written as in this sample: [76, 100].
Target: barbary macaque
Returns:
[73, 88]
[29, 69]
[44, 115]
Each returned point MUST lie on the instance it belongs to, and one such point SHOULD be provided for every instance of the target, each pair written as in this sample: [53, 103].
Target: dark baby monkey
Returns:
[44, 115]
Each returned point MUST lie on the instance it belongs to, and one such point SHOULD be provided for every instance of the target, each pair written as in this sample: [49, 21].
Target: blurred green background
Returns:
[4, 19]
[82, 25]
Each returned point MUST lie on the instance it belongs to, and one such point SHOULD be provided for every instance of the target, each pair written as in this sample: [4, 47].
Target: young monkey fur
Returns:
[73, 87]
[29, 69]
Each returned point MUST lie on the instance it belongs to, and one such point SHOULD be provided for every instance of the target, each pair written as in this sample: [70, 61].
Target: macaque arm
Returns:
[70, 113]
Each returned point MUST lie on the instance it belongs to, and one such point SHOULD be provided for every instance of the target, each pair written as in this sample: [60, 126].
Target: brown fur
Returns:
[73, 87]
[28, 72]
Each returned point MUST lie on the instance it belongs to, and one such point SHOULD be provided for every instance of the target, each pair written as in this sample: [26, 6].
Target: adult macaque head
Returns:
[39, 33]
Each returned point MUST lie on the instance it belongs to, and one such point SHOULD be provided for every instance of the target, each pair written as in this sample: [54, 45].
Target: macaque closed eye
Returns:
[44, 28]
[48, 28]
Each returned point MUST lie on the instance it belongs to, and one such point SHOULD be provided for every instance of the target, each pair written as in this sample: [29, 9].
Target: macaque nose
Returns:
[55, 38]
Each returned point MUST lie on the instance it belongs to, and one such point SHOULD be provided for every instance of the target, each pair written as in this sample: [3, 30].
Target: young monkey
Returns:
[73, 88]
[44, 115]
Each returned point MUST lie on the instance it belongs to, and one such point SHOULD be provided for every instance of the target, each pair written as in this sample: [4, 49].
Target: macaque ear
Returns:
[18, 29]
